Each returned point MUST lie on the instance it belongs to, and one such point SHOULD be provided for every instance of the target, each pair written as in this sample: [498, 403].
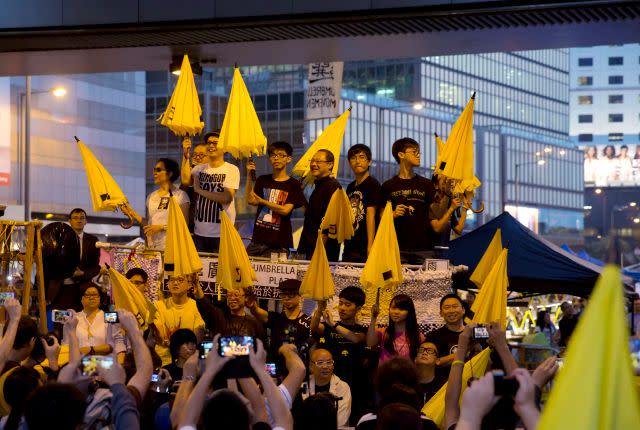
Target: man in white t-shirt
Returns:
[215, 185]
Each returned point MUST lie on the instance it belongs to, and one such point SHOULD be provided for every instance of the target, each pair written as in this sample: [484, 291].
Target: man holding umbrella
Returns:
[215, 184]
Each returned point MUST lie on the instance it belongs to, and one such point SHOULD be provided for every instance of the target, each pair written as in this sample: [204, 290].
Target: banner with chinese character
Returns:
[5, 132]
[323, 92]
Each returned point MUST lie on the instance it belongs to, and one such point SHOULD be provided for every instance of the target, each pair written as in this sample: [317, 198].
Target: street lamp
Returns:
[539, 162]
[57, 92]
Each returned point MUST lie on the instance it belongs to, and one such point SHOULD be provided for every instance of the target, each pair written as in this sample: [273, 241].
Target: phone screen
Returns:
[480, 333]
[4, 295]
[155, 377]
[59, 316]
[90, 364]
[111, 317]
[204, 348]
[235, 345]
[270, 368]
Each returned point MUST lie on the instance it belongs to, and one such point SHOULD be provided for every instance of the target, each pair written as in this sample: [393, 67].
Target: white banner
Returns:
[5, 132]
[268, 274]
[323, 92]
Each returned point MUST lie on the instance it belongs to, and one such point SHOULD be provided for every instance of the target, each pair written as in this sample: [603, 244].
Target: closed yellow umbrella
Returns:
[383, 267]
[476, 367]
[491, 303]
[596, 389]
[488, 259]
[331, 140]
[180, 255]
[440, 151]
[338, 219]
[105, 193]
[241, 134]
[183, 113]
[317, 283]
[234, 268]
[126, 296]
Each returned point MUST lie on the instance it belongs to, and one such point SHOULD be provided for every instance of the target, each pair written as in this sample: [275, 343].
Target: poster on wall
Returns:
[5, 133]
[323, 90]
[612, 165]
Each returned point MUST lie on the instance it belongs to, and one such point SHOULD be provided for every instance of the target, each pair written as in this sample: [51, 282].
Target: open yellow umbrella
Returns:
[241, 134]
[331, 140]
[488, 260]
[476, 367]
[383, 267]
[234, 268]
[595, 388]
[180, 255]
[183, 112]
[126, 296]
[105, 193]
[338, 218]
[317, 283]
[491, 303]
[457, 161]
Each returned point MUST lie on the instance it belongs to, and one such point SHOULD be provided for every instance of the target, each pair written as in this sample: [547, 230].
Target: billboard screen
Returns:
[612, 165]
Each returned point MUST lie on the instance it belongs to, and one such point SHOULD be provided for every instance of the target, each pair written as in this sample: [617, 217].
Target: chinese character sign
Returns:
[323, 92]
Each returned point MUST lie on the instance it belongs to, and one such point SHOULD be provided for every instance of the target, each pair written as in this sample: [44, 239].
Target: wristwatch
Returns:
[188, 378]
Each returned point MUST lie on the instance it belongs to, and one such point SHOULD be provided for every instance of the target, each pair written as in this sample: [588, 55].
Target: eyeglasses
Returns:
[158, 169]
[92, 296]
[276, 156]
[429, 351]
[323, 363]
[138, 282]
[234, 295]
[415, 152]
[198, 156]
[318, 161]
[451, 307]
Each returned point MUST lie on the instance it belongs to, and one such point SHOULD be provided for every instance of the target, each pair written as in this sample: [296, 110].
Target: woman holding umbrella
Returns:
[165, 172]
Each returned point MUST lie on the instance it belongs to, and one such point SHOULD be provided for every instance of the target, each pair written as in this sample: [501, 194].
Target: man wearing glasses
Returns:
[198, 157]
[430, 379]
[276, 196]
[67, 295]
[410, 195]
[321, 166]
[322, 380]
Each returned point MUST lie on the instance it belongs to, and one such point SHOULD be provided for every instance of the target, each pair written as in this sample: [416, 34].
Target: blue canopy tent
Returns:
[535, 265]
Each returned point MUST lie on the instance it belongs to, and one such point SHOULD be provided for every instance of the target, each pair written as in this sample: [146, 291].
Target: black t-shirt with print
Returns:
[284, 330]
[413, 229]
[348, 356]
[271, 228]
[444, 339]
[362, 196]
[429, 389]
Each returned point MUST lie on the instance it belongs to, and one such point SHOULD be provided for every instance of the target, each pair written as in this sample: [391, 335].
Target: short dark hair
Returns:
[401, 145]
[399, 416]
[77, 210]
[27, 330]
[450, 296]
[359, 148]
[179, 338]
[398, 370]
[60, 405]
[353, 294]
[317, 412]
[290, 285]
[172, 168]
[225, 410]
[213, 133]
[137, 271]
[329, 155]
[281, 145]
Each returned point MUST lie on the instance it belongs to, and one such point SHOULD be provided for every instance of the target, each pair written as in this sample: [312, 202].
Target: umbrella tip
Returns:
[349, 108]
[435, 134]
[235, 65]
[507, 245]
[473, 96]
[76, 138]
[107, 266]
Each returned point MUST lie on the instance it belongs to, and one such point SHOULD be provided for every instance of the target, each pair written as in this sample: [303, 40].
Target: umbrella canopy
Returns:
[126, 296]
[491, 303]
[183, 111]
[488, 260]
[434, 408]
[458, 152]
[180, 255]
[234, 268]
[331, 140]
[595, 388]
[339, 218]
[383, 268]
[105, 193]
[241, 134]
[317, 283]
[440, 151]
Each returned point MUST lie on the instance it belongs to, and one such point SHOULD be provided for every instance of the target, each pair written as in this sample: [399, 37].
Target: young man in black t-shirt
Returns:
[410, 195]
[276, 196]
[321, 166]
[364, 195]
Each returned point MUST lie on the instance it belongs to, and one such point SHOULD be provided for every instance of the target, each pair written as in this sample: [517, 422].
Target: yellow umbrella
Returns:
[440, 150]
[338, 218]
[330, 139]
[241, 134]
[476, 367]
[317, 283]
[183, 111]
[180, 255]
[105, 193]
[595, 389]
[234, 268]
[491, 303]
[126, 296]
[383, 267]
[488, 260]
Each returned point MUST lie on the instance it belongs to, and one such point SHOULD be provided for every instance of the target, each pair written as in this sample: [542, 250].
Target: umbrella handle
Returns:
[252, 175]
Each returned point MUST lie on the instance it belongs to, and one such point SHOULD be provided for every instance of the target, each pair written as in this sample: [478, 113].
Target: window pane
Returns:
[585, 80]
[585, 62]
[616, 117]
[616, 99]
[585, 137]
[616, 80]
[616, 61]
[616, 137]
[585, 118]
[585, 100]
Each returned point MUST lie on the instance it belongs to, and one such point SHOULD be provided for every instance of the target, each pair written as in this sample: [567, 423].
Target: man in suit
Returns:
[67, 295]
